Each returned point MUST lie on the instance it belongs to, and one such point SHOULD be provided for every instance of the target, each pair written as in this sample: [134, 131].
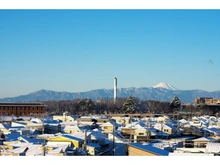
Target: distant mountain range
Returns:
[159, 92]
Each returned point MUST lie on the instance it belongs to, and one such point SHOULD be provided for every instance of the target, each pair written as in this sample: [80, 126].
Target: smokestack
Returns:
[115, 89]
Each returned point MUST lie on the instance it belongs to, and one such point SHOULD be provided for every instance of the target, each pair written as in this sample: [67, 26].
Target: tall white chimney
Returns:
[115, 89]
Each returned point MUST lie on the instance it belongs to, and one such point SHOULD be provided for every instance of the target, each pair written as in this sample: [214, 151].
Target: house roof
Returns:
[139, 127]
[9, 118]
[98, 135]
[21, 123]
[12, 137]
[170, 126]
[6, 126]
[151, 149]
[16, 128]
[72, 137]
[31, 140]
[213, 147]
[71, 127]
[204, 139]
[213, 129]
[106, 124]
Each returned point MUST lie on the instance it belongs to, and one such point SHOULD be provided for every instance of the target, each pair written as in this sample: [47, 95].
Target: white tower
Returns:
[115, 89]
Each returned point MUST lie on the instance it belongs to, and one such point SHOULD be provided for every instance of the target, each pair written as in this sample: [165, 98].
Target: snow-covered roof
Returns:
[6, 126]
[151, 149]
[73, 137]
[76, 135]
[16, 128]
[106, 124]
[72, 127]
[34, 124]
[183, 121]
[98, 135]
[35, 149]
[189, 154]
[213, 147]
[45, 135]
[164, 125]
[30, 140]
[139, 127]
[37, 120]
[9, 118]
[216, 130]
[204, 139]
[20, 123]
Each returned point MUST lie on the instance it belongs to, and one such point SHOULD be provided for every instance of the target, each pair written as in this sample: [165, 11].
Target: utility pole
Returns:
[131, 130]
[113, 150]
[161, 129]
[1, 151]
[85, 142]
[44, 148]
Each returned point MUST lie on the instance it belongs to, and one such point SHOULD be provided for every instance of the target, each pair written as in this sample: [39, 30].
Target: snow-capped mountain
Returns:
[165, 85]
[159, 92]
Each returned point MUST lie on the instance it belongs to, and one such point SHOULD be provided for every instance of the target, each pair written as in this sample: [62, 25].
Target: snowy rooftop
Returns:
[151, 149]
[213, 147]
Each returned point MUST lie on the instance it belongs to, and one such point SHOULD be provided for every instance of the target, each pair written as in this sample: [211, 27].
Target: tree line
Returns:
[121, 106]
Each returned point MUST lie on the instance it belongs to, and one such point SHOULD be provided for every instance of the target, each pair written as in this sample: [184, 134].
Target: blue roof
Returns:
[32, 140]
[151, 149]
[19, 122]
[171, 126]
[6, 126]
[75, 117]
[12, 137]
[214, 129]
[16, 127]
[50, 121]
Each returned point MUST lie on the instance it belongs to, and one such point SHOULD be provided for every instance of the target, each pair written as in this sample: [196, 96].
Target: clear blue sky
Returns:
[82, 50]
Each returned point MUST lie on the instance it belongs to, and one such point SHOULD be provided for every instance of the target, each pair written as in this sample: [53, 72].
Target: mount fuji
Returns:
[165, 85]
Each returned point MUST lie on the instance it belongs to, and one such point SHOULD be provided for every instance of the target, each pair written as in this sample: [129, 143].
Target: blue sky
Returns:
[81, 50]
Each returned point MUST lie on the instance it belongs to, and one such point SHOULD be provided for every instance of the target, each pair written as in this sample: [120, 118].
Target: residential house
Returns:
[5, 128]
[72, 128]
[165, 130]
[65, 117]
[202, 142]
[122, 120]
[77, 139]
[93, 149]
[213, 148]
[107, 127]
[139, 149]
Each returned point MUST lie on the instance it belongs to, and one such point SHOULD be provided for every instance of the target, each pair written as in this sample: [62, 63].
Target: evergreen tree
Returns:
[130, 105]
[175, 103]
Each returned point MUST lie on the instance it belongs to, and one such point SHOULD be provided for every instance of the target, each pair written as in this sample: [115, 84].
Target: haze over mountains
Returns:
[159, 92]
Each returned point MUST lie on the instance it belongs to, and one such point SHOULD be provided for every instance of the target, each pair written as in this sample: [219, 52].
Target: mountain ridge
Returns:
[143, 93]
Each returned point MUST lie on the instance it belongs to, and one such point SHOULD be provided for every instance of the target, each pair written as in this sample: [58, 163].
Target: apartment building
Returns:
[22, 109]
